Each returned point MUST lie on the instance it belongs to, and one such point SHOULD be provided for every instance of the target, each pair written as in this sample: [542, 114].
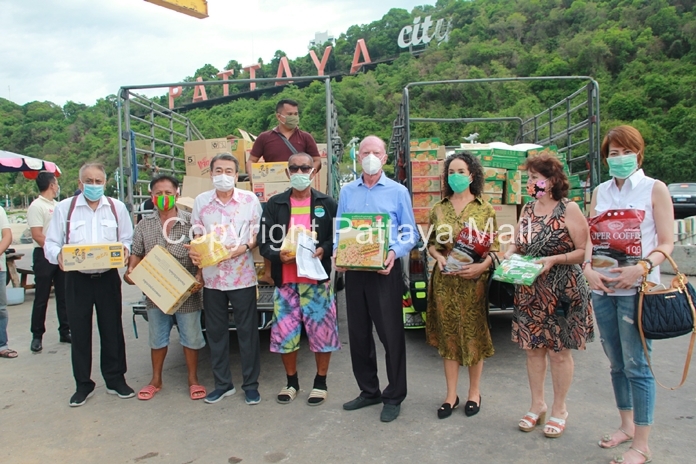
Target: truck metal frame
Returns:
[151, 142]
[572, 124]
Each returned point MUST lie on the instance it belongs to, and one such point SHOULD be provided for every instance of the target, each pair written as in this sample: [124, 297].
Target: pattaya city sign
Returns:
[420, 33]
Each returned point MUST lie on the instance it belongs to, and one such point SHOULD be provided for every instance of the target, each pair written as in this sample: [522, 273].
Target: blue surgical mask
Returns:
[300, 181]
[623, 166]
[93, 192]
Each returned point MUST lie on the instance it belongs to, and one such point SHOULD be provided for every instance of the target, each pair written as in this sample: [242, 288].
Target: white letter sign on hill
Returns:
[409, 34]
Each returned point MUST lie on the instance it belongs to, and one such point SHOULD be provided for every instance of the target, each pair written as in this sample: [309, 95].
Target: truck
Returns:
[151, 142]
[571, 125]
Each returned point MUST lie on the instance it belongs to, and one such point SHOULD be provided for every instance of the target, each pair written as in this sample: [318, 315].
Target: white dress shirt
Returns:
[88, 226]
[636, 193]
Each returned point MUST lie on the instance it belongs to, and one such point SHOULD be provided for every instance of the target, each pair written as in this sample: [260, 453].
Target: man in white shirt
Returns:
[89, 218]
[5, 242]
[45, 274]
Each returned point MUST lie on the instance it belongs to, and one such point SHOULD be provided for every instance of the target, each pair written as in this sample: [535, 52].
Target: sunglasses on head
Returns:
[304, 169]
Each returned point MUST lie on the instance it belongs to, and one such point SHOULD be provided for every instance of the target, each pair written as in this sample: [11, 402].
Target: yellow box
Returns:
[493, 186]
[513, 188]
[212, 251]
[93, 256]
[268, 172]
[426, 184]
[163, 280]
[426, 200]
[493, 198]
[266, 190]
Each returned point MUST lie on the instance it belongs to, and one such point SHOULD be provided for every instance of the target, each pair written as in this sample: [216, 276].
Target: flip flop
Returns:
[197, 392]
[607, 439]
[8, 354]
[147, 392]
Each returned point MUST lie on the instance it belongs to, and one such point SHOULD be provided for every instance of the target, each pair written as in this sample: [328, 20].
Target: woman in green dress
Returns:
[457, 322]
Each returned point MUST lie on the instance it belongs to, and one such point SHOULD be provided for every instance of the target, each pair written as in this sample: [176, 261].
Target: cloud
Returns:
[82, 50]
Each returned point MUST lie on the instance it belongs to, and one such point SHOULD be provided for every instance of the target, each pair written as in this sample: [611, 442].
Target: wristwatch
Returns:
[585, 263]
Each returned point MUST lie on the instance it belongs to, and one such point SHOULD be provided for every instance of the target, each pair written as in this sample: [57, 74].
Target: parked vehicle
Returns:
[683, 198]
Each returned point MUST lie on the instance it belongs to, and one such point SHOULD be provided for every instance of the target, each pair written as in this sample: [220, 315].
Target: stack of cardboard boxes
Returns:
[427, 167]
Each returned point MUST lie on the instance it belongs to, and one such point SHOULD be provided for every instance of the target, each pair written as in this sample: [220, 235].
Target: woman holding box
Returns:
[457, 323]
[554, 314]
[615, 298]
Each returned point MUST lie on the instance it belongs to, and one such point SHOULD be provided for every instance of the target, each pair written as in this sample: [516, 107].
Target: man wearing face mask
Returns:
[46, 274]
[233, 215]
[91, 218]
[277, 144]
[169, 227]
[298, 300]
[376, 297]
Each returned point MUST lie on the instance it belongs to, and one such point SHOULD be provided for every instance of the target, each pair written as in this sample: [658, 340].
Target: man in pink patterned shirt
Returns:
[234, 216]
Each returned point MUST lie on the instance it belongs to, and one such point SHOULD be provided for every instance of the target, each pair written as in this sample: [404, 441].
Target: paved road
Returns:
[37, 426]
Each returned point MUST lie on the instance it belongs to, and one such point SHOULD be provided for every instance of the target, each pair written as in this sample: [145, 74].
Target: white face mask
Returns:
[223, 182]
[371, 164]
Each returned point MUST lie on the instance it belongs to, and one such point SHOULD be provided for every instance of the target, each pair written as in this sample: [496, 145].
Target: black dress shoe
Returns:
[36, 345]
[446, 409]
[471, 408]
[390, 412]
[361, 402]
[66, 338]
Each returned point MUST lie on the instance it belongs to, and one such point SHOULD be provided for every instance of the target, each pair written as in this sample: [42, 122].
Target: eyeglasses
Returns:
[305, 169]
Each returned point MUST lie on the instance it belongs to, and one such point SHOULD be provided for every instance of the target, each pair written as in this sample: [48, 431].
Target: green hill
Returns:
[642, 52]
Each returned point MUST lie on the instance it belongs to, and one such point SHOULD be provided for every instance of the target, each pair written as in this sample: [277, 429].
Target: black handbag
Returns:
[500, 294]
[667, 313]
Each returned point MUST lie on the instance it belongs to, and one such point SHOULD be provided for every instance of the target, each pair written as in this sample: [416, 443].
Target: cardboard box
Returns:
[504, 162]
[193, 186]
[425, 144]
[574, 181]
[163, 280]
[320, 181]
[243, 186]
[477, 152]
[241, 148]
[363, 241]
[426, 200]
[92, 257]
[494, 174]
[513, 188]
[269, 172]
[256, 254]
[199, 153]
[266, 190]
[506, 217]
[426, 184]
[493, 186]
[493, 198]
[423, 155]
[422, 215]
[549, 150]
[185, 204]
[427, 168]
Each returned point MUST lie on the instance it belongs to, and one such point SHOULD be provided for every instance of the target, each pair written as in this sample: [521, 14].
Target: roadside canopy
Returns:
[30, 167]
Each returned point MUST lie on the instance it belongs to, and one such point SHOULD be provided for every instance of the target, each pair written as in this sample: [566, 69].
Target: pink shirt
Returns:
[237, 222]
[299, 216]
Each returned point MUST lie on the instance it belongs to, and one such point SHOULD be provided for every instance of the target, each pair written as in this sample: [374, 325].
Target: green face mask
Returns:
[621, 167]
[458, 182]
[292, 121]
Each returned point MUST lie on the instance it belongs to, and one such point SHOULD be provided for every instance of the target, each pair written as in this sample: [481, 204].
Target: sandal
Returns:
[147, 392]
[620, 459]
[557, 427]
[317, 397]
[531, 420]
[197, 392]
[8, 354]
[286, 395]
[606, 438]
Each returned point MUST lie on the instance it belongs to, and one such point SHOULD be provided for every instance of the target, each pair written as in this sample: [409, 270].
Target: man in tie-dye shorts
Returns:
[299, 300]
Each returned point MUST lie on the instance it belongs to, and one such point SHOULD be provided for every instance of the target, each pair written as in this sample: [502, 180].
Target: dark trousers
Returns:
[243, 301]
[103, 291]
[375, 298]
[47, 275]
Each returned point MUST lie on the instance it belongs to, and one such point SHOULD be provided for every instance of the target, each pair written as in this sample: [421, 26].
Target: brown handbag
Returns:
[667, 313]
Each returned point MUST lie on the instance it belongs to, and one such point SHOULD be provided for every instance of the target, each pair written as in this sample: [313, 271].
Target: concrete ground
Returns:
[37, 426]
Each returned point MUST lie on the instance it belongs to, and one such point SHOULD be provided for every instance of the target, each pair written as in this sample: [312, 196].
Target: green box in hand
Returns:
[363, 240]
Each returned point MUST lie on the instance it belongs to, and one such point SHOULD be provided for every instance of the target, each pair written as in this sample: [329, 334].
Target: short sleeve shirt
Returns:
[40, 213]
[4, 224]
[149, 232]
[272, 148]
[238, 222]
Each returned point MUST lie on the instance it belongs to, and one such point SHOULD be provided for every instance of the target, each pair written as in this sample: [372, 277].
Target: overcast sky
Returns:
[82, 50]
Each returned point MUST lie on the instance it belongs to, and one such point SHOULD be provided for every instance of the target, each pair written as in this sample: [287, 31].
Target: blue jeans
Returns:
[634, 384]
[3, 312]
[189, 324]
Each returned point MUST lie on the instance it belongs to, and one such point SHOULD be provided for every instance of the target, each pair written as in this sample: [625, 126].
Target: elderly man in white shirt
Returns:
[91, 218]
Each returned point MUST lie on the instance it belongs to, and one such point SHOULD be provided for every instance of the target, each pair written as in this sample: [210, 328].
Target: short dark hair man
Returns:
[275, 145]
[46, 274]
[298, 300]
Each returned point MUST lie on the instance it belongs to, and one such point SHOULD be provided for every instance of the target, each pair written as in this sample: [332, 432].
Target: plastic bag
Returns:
[521, 270]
